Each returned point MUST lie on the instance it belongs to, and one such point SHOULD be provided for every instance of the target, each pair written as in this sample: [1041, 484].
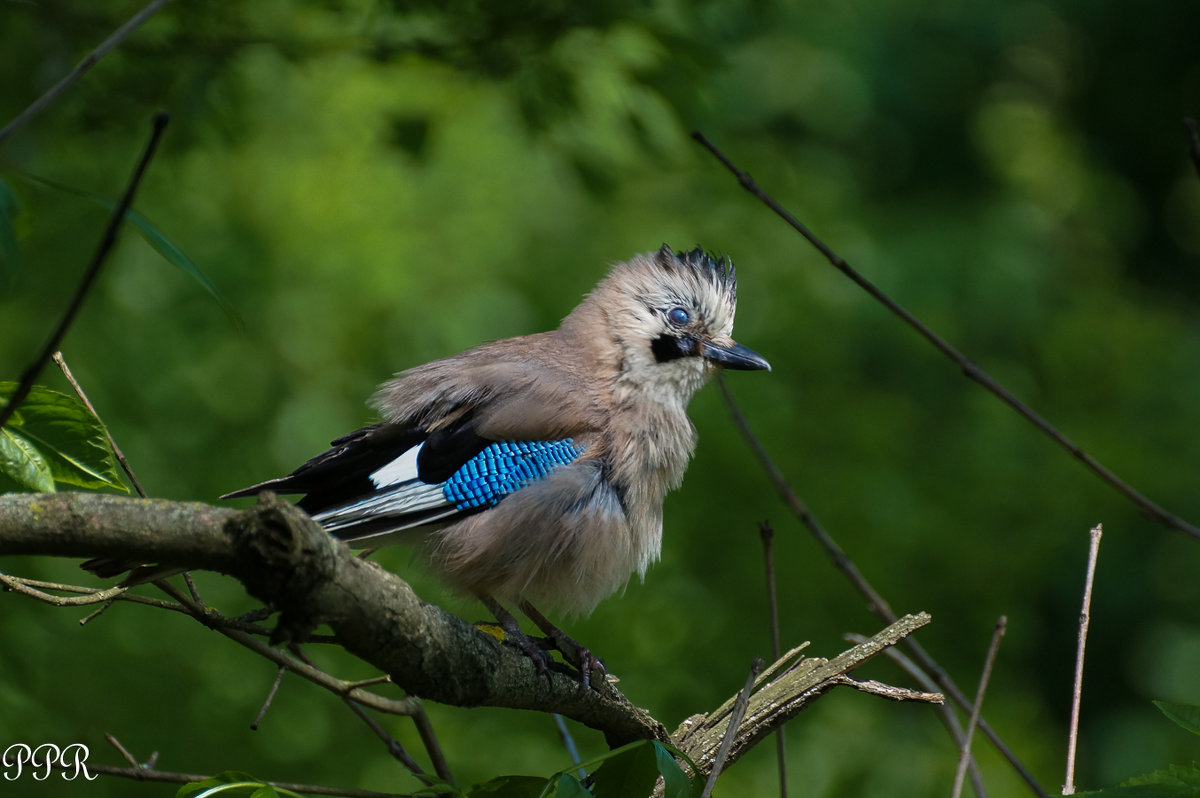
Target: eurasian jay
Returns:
[532, 470]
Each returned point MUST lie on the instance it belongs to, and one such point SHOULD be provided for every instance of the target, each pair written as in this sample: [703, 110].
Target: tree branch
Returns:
[285, 559]
[786, 688]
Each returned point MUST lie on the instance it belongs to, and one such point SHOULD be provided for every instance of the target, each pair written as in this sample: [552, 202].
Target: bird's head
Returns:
[669, 318]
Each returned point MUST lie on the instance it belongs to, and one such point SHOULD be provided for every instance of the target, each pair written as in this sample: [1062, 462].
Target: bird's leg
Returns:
[575, 653]
[512, 632]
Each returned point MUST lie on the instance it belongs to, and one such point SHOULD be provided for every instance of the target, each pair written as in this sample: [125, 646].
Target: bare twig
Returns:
[87, 63]
[891, 692]
[22, 586]
[964, 754]
[432, 747]
[568, 742]
[945, 712]
[128, 757]
[1077, 690]
[767, 534]
[66, 370]
[280, 670]
[735, 720]
[397, 751]
[191, 586]
[1193, 134]
[876, 602]
[972, 371]
[301, 668]
[29, 377]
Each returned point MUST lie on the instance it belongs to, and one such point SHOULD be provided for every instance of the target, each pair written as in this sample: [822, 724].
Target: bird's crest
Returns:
[702, 266]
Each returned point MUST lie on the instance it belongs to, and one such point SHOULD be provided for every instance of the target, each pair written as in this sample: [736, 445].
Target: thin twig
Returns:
[18, 585]
[1193, 134]
[735, 720]
[945, 711]
[395, 748]
[568, 741]
[875, 601]
[96, 613]
[280, 670]
[303, 669]
[87, 63]
[66, 370]
[191, 586]
[972, 371]
[1077, 691]
[964, 754]
[432, 747]
[115, 743]
[767, 534]
[89, 278]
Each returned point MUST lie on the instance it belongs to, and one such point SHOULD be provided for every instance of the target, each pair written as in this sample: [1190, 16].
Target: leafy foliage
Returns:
[374, 185]
[1186, 716]
[1177, 781]
[54, 440]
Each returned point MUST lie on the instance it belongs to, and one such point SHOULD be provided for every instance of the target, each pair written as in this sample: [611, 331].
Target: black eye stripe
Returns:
[670, 347]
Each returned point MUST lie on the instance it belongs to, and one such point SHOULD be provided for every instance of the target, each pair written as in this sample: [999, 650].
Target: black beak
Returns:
[735, 356]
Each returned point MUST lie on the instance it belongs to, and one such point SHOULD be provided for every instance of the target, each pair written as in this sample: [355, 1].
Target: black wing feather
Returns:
[344, 471]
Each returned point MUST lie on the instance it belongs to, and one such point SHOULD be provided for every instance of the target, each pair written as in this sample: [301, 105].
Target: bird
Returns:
[531, 471]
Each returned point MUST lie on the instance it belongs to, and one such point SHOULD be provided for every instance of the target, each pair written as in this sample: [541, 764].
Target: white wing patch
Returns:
[398, 493]
[402, 469]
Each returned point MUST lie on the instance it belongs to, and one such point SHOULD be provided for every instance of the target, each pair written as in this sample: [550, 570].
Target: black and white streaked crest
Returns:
[704, 267]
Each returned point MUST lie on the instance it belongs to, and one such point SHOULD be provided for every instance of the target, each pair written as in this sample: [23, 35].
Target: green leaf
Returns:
[225, 777]
[174, 255]
[509, 787]
[568, 786]
[676, 782]
[437, 787]
[633, 771]
[1174, 782]
[1173, 776]
[154, 237]
[22, 467]
[67, 436]
[1186, 716]
[1145, 791]
[10, 209]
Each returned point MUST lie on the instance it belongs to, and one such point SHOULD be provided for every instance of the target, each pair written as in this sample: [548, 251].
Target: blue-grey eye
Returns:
[678, 316]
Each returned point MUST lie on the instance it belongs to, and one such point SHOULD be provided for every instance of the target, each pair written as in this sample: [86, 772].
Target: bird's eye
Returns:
[678, 316]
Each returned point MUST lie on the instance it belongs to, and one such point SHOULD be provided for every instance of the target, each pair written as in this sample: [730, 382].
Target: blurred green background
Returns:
[372, 185]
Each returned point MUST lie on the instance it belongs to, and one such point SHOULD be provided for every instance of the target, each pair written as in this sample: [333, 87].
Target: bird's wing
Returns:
[470, 434]
[527, 388]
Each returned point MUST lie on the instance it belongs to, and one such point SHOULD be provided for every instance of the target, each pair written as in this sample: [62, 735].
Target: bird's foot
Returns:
[592, 672]
[508, 630]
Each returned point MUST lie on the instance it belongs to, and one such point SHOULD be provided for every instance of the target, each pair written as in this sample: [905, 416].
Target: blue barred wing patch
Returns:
[503, 468]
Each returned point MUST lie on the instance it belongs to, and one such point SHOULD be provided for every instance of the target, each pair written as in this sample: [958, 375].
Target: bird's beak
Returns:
[734, 356]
